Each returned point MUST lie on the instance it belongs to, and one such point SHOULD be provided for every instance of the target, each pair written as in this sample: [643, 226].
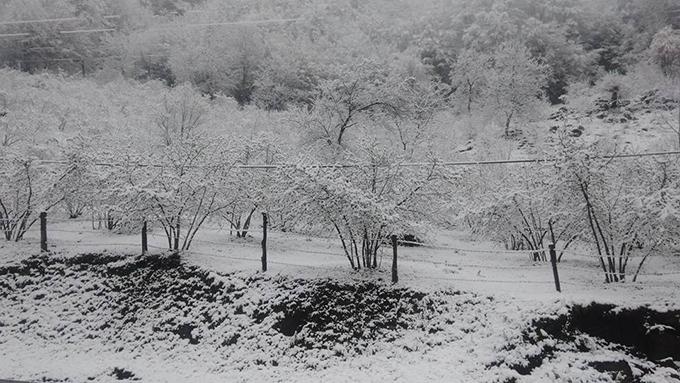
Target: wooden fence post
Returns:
[553, 261]
[264, 241]
[43, 232]
[145, 243]
[395, 275]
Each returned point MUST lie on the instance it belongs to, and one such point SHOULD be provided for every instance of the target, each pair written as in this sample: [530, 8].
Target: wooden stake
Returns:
[553, 261]
[43, 232]
[395, 276]
[145, 244]
[264, 241]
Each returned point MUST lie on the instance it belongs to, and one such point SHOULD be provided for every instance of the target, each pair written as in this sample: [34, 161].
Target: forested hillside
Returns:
[279, 52]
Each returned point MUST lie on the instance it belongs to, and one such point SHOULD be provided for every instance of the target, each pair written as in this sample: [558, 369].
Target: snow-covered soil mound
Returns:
[111, 318]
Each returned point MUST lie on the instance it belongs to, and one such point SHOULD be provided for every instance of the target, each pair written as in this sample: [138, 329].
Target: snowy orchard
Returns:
[363, 163]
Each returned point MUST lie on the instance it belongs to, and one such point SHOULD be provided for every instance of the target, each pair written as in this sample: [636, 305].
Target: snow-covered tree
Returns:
[355, 96]
[179, 187]
[27, 188]
[469, 77]
[631, 205]
[515, 84]
[521, 206]
[665, 51]
[178, 177]
[181, 114]
[226, 63]
[252, 188]
[376, 194]
[418, 103]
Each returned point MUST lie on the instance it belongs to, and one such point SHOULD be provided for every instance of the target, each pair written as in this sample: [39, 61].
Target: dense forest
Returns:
[278, 53]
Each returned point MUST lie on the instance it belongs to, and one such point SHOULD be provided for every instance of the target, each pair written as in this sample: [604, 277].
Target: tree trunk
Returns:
[177, 230]
[507, 125]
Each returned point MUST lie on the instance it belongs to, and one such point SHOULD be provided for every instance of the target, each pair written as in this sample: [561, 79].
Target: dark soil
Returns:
[340, 313]
[138, 304]
[642, 332]
[123, 374]
[179, 300]
[647, 333]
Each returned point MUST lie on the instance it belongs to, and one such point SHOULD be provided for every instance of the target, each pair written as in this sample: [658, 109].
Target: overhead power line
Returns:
[69, 19]
[54, 20]
[23, 34]
[342, 166]
[165, 27]
[457, 163]
[76, 59]
[29, 48]
[226, 23]
[101, 30]
[69, 32]
[50, 60]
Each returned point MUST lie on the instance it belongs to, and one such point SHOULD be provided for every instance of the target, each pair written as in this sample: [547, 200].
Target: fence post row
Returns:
[395, 276]
[265, 223]
[264, 241]
[553, 262]
[43, 232]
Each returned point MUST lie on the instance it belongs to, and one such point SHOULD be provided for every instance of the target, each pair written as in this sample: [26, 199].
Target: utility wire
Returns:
[456, 249]
[84, 59]
[15, 35]
[77, 31]
[343, 166]
[69, 19]
[165, 27]
[66, 32]
[225, 23]
[53, 20]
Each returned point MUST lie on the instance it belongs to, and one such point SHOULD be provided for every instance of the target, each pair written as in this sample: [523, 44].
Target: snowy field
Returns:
[470, 323]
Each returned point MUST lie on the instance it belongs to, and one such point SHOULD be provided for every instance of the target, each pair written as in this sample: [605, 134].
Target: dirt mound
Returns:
[119, 299]
[142, 307]
[330, 313]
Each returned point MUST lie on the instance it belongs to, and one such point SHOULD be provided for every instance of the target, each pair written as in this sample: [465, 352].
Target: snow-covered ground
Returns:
[487, 268]
[65, 324]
